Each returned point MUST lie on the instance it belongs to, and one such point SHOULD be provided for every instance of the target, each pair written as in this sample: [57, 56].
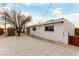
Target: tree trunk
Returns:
[18, 33]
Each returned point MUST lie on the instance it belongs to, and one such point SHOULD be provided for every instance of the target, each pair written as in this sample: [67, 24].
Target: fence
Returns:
[1, 31]
[10, 32]
[74, 40]
[76, 31]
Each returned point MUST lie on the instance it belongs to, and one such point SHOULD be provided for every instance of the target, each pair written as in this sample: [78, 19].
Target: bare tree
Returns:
[16, 19]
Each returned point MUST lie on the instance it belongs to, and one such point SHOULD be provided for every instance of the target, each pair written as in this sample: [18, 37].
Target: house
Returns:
[54, 30]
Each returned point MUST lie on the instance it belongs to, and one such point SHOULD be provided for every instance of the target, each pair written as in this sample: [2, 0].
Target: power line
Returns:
[46, 11]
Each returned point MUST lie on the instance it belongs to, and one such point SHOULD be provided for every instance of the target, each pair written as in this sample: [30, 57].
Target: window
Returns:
[46, 28]
[49, 28]
[34, 28]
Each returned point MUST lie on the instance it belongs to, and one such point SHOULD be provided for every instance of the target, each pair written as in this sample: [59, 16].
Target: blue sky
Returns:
[37, 10]
[40, 8]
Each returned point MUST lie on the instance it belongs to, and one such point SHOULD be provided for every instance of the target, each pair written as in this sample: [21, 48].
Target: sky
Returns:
[69, 11]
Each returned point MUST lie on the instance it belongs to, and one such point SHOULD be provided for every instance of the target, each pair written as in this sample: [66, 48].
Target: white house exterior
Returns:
[55, 30]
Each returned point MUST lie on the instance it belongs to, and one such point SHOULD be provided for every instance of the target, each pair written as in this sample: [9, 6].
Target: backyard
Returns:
[29, 46]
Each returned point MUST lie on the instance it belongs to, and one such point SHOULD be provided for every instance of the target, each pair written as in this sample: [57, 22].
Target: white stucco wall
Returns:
[69, 27]
[56, 35]
[60, 33]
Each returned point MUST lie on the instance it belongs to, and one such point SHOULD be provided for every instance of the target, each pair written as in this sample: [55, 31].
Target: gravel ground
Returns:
[29, 46]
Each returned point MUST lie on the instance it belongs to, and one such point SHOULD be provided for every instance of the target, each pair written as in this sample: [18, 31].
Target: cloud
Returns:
[26, 1]
[35, 4]
[37, 19]
[74, 18]
[58, 13]
[11, 5]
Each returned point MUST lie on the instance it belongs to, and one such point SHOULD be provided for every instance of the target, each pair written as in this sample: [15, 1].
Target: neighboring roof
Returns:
[49, 22]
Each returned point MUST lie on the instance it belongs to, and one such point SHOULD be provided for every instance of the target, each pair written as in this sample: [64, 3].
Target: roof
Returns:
[49, 22]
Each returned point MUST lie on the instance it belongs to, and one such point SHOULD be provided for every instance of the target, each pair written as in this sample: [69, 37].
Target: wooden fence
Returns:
[10, 32]
[74, 40]
[1, 31]
[76, 31]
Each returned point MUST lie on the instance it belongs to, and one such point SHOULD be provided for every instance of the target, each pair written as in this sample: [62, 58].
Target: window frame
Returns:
[49, 28]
